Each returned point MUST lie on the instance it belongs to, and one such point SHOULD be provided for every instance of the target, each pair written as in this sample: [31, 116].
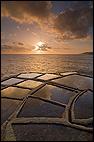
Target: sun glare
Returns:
[39, 45]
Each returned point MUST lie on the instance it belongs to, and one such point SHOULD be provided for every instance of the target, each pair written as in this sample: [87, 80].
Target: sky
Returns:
[46, 27]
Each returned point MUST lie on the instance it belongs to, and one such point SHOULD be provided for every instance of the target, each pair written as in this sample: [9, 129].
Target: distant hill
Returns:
[88, 53]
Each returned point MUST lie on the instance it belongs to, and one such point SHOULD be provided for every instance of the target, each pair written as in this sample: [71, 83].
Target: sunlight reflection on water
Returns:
[13, 64]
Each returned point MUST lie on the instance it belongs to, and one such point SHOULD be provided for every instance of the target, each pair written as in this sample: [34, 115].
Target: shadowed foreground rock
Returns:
[47, 107]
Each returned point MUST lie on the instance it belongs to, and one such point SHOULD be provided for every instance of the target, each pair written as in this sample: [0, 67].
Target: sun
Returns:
[39, 45]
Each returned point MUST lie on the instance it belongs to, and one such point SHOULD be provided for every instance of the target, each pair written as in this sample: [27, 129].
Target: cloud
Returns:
[2, 36]
[66, 48]
[20, 43]
[43, 47]
[13, 42]
[26, 11]
[14, 48]
[74, 22]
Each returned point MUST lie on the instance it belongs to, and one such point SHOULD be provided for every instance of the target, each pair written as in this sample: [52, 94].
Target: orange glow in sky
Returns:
[46, 27]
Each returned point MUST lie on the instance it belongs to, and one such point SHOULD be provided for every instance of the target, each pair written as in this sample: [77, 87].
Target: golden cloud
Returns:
[72, 23]
[26, 11]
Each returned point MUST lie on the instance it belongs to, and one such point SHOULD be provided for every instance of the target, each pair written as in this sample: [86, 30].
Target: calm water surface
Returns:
[13, 64]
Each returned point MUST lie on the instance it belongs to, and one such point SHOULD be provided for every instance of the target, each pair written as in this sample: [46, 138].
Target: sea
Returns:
[12, 64]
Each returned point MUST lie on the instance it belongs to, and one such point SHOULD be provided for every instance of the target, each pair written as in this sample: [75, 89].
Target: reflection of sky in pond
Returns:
[14, 92]
[11, 81]
[76, 81]
[84, 106]
[8, 106]
[29, 84]
[49, 132]
[48, 76]
[29, 75]
[38, 108]
[54, 93]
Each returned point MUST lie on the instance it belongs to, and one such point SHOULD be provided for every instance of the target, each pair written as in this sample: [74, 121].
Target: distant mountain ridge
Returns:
[88, 53]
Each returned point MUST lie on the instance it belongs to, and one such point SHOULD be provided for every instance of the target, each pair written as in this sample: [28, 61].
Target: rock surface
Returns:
[47, 107]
